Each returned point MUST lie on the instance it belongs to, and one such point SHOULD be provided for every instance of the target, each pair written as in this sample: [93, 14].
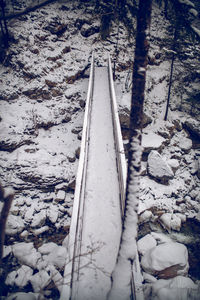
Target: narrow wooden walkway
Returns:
[102, 216]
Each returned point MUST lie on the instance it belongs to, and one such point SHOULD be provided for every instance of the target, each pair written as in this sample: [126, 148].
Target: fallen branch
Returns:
[27, 10]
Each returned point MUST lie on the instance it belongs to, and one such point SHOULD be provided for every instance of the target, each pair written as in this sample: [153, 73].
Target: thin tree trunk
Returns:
[122, 274]
[6, 197]
[171, 73]
[170, 86]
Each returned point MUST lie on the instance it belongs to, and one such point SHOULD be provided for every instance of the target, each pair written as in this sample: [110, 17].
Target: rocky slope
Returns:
[43, 90]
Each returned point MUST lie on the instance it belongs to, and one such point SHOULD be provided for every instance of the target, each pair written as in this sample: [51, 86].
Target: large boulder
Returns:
[158, 168]
[146, 243]
[14, 225]
[166, 260]
[26, 254]
[178, 288]
[185, 144]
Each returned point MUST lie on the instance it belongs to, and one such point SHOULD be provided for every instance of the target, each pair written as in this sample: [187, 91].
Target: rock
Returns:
[56, 28]
[152, 141]
[22, 296]
[161, 237]
[62, 186]
[47, 248]
[145, 216]
[166, 260]
[60, 196]
[171, 221]
[24, 234]
[52, 213]
[178, 288]
[57, 257]
[20, 277]
[193, 126]
[185, 144]
[26, 254]
[88, 30]
[174, 164]
[146, 120]
[14, 225]
[40, 230]
[71, 157]
[39, 219]
[40, 280]
[37, 93]
[178, 124]
[146, 243]
[158, 168]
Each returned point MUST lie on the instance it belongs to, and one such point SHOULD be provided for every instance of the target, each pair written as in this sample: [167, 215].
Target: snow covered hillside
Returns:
[43, 86]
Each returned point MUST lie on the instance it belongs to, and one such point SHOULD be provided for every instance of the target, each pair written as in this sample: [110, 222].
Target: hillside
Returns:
[43, 87]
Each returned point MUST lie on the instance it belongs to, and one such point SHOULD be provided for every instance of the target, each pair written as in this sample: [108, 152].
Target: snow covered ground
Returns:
[43, 86]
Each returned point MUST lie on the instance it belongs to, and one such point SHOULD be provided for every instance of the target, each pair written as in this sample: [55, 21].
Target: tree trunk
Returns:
[5, 29]
[171, 73]
[122, 274]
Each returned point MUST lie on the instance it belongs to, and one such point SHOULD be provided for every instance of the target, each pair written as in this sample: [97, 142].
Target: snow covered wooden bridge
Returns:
[95, 231]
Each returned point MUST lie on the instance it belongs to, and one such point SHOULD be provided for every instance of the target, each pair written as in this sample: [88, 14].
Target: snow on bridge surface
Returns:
[96, 221]
[102, 215]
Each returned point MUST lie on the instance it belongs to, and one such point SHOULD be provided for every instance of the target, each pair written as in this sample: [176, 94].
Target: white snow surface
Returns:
[102, 216]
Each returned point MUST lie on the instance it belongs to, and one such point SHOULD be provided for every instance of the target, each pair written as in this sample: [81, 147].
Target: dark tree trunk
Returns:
[171, 72]
[3, 22]
[121, 289]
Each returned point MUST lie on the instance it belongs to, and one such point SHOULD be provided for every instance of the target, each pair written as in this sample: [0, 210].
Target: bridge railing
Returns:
[121, 160]
[71, 275]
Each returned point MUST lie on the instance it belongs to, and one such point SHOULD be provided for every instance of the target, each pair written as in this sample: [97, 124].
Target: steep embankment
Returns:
[43, 90]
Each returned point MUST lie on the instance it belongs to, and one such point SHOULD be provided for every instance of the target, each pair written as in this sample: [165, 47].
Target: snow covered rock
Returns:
[171, 221]
[47, 248]
[145, 216]
[88, 30]
[40, 280]
[158, 168]
[23, 296]
[39, 219]
[57, 257]
[26, 254]
[14, 225]
[152, 141]
[185, 144]
[41, 230]
[52, 213]
[166, 260]
[146, 243]
[60, 196]
[161, 238]
[178, 288]
[174, 164]
[20, 277]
